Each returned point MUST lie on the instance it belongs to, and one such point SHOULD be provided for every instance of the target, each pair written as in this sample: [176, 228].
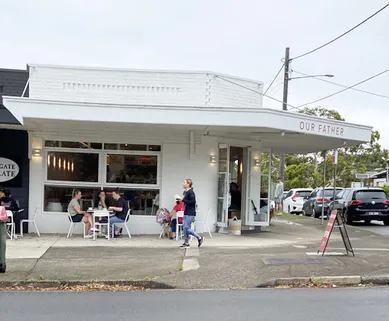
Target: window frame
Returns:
[102, 173]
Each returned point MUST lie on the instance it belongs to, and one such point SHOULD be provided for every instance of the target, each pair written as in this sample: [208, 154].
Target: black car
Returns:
[317, 199]
[362, 204]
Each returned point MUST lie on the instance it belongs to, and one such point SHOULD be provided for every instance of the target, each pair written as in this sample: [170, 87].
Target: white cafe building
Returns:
[145, 131]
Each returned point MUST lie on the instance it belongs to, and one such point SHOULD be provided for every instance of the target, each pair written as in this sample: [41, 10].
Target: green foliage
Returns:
[386, 189]
[307, 170]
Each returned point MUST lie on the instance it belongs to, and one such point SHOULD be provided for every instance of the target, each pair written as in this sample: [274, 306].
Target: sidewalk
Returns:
[224, 262]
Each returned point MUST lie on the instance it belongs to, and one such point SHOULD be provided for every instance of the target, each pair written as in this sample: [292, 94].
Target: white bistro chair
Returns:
[102, 214]
[204, 222]
[125, 224]
[179, 226]
[73, 224]
[32, 221]
[10, 225]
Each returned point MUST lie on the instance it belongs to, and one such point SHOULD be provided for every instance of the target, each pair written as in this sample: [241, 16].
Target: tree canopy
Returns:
[307, 170]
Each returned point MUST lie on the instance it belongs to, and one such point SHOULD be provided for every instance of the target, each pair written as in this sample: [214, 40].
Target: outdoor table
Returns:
[101, 214]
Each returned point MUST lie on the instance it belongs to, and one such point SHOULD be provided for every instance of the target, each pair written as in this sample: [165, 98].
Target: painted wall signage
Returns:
[321, 128]
[9, 169]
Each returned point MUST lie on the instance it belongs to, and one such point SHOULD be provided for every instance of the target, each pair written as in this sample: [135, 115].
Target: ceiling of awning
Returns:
[281, 131]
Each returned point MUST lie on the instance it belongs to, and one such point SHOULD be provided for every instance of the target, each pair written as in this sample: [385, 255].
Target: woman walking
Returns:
[189, 214]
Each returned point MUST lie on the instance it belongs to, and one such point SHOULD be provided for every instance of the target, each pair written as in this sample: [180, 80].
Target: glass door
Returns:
[223, 185]
[258, 188]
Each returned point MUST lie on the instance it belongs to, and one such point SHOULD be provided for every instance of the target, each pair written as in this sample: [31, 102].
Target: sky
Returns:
[245, 38]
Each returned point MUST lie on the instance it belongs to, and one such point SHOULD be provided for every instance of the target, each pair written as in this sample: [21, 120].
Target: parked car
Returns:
[317, 199]
[284, 194]
[362, 204]
[294, 199]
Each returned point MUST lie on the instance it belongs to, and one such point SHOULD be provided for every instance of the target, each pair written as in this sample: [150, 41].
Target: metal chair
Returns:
[73, 224]
[32, 221]
[10, 225]
[124, 224]
[204, 222]
[179, 226]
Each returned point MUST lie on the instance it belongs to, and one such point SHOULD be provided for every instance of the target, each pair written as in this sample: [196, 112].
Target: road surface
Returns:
[357, 304]
[375, 227]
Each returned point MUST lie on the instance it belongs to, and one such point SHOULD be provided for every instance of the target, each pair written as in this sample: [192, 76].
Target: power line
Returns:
[253, 90]
[340, 85]
[274, 79]
[347, 88]
[343, 34]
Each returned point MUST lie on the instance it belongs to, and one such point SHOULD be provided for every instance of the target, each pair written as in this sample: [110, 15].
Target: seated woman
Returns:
[173, 217]
[102, 201]
[8, 201]
[77, 215]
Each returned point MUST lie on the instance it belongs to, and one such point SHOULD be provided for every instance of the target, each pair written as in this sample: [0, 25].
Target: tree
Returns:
[308, 170]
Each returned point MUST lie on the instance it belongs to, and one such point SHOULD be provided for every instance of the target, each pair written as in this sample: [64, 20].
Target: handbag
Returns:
[3, 214]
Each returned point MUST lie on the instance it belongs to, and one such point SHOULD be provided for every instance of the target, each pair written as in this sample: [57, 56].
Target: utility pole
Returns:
[285, 106]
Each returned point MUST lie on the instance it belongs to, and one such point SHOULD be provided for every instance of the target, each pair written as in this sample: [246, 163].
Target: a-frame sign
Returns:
[335, 216]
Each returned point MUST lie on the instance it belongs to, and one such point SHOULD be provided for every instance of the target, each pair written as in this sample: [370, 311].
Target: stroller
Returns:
[161, 219]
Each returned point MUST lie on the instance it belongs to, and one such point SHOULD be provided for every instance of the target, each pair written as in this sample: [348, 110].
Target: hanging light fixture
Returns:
[59, 163]
[54, 162]
[48, 160]
[72, 166]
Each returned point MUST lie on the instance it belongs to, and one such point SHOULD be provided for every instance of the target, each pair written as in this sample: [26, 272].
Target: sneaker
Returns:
[94, 229]
[185, 246]
[200, 240]
[88, 236]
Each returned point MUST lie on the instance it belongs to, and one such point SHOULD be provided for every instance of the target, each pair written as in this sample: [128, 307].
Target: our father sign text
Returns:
[321, 128]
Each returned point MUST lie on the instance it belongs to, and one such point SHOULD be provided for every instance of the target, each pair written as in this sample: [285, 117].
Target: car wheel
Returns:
[386, 222]
[2, 268]
[346, 219]
[314, 214]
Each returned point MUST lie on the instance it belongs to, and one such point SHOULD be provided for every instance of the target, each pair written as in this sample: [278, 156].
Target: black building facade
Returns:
[14, 158]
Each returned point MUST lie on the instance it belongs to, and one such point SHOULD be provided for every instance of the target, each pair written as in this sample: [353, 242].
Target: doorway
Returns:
[243, 186]
[231, 180]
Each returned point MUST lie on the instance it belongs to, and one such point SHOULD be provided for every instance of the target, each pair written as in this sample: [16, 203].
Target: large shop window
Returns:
[141, 202]
[81, 165]
[132, 169]
[72, 166]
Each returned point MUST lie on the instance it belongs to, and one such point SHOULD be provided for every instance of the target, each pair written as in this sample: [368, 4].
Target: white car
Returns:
[294, 200]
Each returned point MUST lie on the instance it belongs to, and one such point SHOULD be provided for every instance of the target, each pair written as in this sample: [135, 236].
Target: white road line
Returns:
[190, 264]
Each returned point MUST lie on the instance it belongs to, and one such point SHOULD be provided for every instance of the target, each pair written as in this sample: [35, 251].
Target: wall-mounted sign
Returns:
[9, 170]
[321, 128]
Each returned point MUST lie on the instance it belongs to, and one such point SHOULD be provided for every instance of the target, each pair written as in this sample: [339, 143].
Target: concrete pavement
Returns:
[270, 304]
[224, 261]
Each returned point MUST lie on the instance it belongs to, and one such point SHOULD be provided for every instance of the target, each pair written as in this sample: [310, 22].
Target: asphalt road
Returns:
[375, 227]
[355, 304]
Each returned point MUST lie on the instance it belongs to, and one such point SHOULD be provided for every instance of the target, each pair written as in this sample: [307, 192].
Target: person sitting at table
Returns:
[120, 210]
[172, 217]
[8, 201]
[77, 215]
[102, 201]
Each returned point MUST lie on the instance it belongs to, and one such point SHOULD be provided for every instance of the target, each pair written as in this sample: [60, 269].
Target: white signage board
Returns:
[8, 169]
[362, 176]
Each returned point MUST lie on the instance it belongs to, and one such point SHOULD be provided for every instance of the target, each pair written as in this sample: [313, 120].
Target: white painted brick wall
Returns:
[140, 87]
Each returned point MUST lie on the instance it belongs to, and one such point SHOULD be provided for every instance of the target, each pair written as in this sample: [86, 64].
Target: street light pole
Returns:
[285, 100]
[285, 106]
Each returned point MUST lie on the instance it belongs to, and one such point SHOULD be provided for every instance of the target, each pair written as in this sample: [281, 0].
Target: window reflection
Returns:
[132, 169]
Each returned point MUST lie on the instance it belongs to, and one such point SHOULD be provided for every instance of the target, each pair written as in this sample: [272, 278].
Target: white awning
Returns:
[283, 131]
